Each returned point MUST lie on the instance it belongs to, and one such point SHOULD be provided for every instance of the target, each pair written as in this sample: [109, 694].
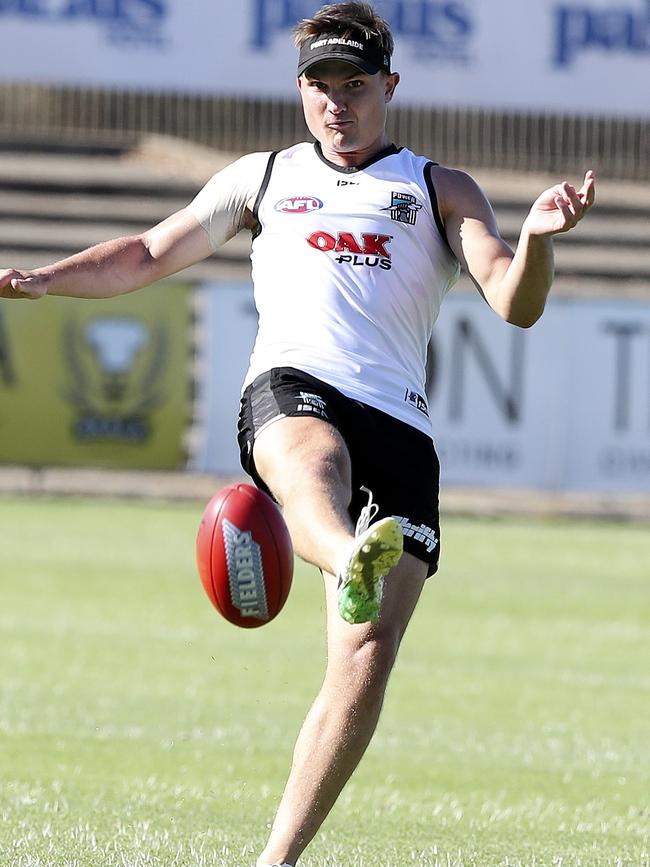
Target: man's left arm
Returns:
[517, 284]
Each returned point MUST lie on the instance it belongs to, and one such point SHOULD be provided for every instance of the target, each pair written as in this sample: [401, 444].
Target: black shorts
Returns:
[394, 460]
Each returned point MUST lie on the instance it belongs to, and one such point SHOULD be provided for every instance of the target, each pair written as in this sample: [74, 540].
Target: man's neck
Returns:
[350, 159]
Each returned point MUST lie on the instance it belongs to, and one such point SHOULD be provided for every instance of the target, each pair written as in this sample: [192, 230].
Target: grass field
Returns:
[137, 728]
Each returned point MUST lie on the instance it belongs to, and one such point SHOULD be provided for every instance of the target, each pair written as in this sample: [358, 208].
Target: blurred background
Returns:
[114, 114]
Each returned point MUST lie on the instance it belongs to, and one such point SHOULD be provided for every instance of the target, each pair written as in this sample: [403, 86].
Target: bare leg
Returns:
[306, 464]
[342, 720]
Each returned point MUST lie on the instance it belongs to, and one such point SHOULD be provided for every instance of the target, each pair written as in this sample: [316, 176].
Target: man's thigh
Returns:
[297, 454]
[278, 394]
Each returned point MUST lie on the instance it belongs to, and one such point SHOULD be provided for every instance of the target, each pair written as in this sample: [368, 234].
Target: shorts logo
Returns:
[245, 572]
[298, 205]
[403, 208]
[416, 400]
[419, 532]
[365, 249]
[313, 404]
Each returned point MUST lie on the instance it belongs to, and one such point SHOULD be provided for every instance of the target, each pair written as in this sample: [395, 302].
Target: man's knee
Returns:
[329, 465]
[365, 667]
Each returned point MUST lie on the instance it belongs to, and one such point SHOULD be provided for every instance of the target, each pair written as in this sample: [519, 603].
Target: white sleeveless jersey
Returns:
[350, 266]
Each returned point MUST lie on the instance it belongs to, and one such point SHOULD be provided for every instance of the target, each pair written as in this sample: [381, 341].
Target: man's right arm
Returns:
[118, 266]
[217, 213]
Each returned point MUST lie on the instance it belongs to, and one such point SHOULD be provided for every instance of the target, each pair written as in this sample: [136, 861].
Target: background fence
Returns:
[616, 147]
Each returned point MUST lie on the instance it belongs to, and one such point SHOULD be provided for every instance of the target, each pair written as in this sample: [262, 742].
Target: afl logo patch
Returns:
[298, 204]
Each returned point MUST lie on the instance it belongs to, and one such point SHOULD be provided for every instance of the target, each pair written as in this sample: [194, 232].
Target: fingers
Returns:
[574, 203]
[587, 191]
[560, 208]
[7, 279]
[12, 287]
[567, 201]
[562, 204]
[21, 288]
[15, 284]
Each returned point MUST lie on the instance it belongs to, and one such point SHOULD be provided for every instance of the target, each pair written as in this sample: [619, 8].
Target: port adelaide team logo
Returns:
[403, 208]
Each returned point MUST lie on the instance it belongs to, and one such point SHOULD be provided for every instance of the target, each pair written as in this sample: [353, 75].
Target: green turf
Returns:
[137, 728]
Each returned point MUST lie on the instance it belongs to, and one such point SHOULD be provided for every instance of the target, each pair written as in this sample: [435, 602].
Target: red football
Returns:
[245, 556]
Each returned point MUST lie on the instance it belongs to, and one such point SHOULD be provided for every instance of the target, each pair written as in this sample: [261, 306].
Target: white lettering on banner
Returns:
[124, 21]
[439, 31]
[578, 29]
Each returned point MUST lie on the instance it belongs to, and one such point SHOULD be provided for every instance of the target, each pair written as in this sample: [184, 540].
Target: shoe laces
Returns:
[367, 513]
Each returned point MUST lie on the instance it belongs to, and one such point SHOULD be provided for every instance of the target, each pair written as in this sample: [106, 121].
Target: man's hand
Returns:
[561, 207]
[22, 284]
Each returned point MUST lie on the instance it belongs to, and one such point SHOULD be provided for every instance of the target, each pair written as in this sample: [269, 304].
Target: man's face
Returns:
[345, 108]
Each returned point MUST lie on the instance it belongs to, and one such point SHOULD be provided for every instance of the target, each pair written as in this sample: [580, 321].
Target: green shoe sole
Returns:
[377, 551]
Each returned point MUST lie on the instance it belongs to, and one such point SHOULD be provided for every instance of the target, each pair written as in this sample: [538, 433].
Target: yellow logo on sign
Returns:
[115, 367]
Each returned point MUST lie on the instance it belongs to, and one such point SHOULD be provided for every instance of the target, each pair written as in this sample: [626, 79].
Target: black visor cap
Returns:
[365, 54]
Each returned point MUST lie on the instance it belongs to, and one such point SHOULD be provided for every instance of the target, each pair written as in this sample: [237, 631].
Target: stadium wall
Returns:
[616, 147]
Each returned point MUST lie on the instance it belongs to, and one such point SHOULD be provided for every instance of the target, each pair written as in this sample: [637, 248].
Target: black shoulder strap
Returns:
[434, 204]
[260, 195]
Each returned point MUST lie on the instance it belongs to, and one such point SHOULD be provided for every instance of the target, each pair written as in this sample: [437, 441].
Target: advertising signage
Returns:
[588, 57]
[562, 406]
[86, 383]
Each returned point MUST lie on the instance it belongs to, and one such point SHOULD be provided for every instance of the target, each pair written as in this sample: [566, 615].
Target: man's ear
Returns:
[392, 81]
